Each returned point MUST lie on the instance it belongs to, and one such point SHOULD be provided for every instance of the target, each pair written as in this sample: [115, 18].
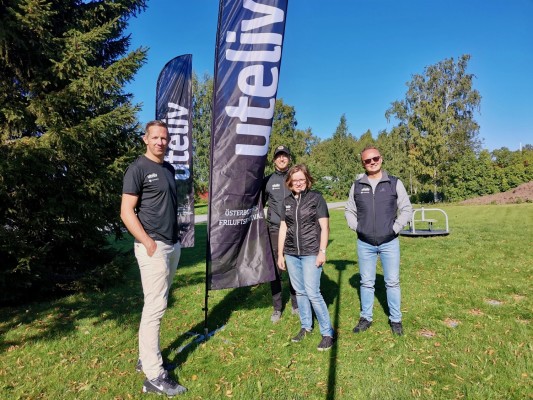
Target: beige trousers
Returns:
[157, 273]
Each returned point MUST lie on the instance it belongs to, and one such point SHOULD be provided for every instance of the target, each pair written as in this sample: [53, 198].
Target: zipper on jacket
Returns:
[374, 211]
[297, 225]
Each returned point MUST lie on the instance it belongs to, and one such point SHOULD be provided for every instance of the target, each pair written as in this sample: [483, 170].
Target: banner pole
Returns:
[206, 299]
[210, 185]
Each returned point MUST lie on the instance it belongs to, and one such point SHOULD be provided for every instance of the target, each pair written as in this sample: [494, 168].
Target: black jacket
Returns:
[301, 216]
[274, 191]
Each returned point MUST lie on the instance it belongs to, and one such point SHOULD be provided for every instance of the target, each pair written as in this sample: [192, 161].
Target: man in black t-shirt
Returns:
[149, 211]
[274, 191]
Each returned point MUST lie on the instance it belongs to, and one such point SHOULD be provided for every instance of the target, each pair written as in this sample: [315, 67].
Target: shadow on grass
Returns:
[218, 316]
[380, 291]
[48, 320]
[122, 302]
[332, 294]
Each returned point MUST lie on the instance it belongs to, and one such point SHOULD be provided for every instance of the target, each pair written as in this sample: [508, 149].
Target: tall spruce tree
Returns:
[67, 131]
[335, 161]
[284, 132]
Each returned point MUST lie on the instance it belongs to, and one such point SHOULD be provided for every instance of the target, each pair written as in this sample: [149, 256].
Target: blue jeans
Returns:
[305, 279]
[389, 253]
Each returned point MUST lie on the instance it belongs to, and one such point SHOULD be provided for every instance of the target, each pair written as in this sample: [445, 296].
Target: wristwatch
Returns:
[323, 251]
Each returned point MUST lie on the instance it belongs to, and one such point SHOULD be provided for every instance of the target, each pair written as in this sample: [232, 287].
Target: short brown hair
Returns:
[155, 123]
[297, 168]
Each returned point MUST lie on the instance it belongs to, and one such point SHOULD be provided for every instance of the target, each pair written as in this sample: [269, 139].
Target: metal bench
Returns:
[429, 221]
[419, 216]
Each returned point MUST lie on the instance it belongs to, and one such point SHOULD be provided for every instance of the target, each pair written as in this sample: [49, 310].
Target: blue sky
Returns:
[354, 57]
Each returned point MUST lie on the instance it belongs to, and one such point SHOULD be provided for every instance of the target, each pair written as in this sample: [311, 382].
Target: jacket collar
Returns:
[302, 195]
[384, 177]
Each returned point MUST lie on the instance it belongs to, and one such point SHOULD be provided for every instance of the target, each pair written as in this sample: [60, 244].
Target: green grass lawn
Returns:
[467, 317]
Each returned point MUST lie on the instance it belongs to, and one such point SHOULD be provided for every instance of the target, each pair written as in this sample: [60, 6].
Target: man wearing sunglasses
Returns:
[378, 207]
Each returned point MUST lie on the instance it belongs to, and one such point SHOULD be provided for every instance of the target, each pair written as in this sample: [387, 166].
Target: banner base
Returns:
[197, 338]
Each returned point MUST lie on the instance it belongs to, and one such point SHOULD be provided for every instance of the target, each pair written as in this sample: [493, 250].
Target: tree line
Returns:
[68, 130]
[434, 147]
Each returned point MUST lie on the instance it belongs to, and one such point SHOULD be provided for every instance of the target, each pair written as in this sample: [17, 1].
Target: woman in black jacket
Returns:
[303, 238]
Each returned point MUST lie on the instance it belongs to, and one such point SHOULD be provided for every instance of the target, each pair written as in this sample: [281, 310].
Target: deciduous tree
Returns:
[437, 119]
[201, 122]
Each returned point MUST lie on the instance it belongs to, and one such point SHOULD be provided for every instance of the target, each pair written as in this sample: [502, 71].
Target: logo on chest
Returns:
[365, 190]
[152, 177]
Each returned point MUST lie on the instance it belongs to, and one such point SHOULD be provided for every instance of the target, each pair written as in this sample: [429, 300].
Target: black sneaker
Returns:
[163, 385]
[166, 366]
[396, 327]
[362, 325]
[299, 337]
[326, 343]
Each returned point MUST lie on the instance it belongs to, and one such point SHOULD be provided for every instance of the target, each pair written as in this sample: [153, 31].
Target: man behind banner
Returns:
[148, 209]
[378, 207]
[274, 191]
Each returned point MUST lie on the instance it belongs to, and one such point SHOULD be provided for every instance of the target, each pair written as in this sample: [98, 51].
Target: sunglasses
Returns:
[374, 159]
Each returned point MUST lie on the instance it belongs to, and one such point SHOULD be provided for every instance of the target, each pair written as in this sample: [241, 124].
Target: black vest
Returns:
[376, 212]
[303, 228]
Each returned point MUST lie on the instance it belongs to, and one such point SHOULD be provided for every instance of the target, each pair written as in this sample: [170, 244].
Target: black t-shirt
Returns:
[156, 208]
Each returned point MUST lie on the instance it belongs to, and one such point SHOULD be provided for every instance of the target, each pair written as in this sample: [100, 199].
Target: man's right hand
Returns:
[151, 247]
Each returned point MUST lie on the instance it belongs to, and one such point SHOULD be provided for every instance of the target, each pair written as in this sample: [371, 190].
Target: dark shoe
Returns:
[275, 317]
[299, 337]
[362, 325]
[163, 385]
[326, 343]
[396, 327]
[166, 366]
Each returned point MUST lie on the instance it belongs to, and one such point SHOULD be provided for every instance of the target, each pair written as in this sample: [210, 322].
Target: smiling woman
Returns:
[303, 238]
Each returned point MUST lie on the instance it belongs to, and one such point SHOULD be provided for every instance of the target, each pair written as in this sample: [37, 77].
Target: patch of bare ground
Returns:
[520, 194]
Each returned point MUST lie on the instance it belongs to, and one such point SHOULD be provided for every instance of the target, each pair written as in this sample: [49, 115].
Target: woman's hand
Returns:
[281, 262]
[281, 245]
[320, 259]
